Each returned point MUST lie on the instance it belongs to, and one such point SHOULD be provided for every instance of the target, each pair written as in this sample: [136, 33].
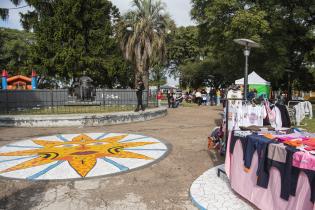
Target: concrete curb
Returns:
[74, 120]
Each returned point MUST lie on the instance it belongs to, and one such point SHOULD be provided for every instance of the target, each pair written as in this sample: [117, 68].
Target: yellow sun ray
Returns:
[82, 138]
[83, 165]
[29, 164]
[126, 154]
[113, 139]
[20, 153]
[136, 144]
[44, 143]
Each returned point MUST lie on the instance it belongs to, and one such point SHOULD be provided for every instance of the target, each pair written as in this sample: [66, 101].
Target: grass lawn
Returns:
[309, 125]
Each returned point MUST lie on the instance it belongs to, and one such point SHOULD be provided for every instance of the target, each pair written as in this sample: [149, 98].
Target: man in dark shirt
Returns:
[139, 89]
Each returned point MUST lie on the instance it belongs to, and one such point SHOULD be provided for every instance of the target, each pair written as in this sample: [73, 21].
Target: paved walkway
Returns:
[164, 185]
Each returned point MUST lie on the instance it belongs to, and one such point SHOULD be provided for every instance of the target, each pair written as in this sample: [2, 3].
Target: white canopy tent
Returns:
[253, 79]
[256, 82]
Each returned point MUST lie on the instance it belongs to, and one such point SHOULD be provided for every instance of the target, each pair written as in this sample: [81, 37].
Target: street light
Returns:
[248, 44]
[289, 71]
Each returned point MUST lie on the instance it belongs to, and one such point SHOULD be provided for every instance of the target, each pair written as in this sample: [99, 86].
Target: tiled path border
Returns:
[214, 193]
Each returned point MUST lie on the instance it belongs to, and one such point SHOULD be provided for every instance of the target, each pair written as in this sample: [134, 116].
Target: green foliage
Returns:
[4, 13]
[285, 30]
[158, 75]
[193, 61]
[202, 73]
[76, 37]
[15, 51]
[183, 45]
[184, 54]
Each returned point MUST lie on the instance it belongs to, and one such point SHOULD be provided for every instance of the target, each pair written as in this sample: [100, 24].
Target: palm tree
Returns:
[142, 36]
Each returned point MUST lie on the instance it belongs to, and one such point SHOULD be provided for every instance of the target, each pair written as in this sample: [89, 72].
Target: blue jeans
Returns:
[175, 104]
[218, 100]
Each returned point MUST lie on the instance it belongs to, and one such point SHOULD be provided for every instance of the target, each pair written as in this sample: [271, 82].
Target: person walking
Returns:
[218, 95]
[198, 97]
[159, 97]
[169, 97]
[204, 96]
[139, 90]
[212, 96]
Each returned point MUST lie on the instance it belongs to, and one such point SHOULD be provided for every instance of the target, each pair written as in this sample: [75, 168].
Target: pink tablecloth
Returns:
[266, 199]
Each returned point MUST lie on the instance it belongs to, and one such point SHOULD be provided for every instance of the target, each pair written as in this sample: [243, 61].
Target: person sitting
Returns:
[177, 101]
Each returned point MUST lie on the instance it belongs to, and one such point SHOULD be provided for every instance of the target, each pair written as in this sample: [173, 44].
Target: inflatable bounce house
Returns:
[19, 82]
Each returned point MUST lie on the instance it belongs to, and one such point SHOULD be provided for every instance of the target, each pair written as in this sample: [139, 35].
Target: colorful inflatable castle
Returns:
[19, 82]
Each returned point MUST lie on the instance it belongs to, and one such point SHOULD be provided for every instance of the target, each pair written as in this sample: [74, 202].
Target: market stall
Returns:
[268, 164]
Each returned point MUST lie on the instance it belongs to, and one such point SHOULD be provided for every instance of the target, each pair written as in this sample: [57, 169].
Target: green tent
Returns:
[256, 82]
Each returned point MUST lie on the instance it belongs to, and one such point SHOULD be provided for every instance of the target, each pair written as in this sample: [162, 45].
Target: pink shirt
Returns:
[304, 160]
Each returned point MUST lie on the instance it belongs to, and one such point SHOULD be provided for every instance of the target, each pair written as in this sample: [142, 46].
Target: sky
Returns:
[178, 9]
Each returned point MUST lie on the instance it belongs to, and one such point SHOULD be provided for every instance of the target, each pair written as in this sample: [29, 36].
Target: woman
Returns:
[159, 97]
[218, 95]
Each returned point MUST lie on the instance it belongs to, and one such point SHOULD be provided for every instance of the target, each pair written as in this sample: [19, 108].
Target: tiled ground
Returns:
[74, 156]
[214, 193]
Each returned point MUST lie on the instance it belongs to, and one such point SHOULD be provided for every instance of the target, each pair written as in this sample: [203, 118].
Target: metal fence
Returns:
[62, 101]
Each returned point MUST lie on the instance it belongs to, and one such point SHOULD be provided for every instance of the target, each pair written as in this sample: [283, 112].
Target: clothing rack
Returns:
[294, 102]
[222, 170]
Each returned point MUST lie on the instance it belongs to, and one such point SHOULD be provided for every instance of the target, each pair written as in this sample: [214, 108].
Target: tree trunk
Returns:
[145, 79]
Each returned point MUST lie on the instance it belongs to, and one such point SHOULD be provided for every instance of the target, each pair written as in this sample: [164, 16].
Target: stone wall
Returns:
[71, 120]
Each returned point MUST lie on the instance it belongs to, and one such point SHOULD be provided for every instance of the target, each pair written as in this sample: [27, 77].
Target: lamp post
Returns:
[248, 44]
[289, 71]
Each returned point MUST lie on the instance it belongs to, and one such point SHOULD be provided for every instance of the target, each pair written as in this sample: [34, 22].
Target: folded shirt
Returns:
[304, 160]
[294, 143]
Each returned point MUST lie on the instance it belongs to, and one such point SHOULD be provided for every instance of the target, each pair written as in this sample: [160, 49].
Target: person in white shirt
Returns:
[198, 97]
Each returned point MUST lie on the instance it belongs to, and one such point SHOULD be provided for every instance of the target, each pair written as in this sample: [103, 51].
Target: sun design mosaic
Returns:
[75, 156]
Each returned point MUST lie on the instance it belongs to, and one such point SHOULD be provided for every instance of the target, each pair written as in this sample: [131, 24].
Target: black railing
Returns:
[61, 101]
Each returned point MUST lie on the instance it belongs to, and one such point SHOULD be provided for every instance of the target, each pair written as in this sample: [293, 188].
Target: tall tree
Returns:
[76, 37]
[183, 46]
[285, 30]
[142, 36]
[15, 51]
[158, 76]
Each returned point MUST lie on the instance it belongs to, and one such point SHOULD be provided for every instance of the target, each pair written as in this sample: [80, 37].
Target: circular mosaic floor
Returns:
[73, 156]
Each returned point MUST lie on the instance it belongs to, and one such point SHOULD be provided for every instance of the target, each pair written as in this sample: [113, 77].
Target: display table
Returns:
[244, 183]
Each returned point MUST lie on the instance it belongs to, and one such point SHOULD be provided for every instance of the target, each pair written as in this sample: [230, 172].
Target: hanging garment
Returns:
[253, 115]
[285, 118]
[277, 122]
[308, 109]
